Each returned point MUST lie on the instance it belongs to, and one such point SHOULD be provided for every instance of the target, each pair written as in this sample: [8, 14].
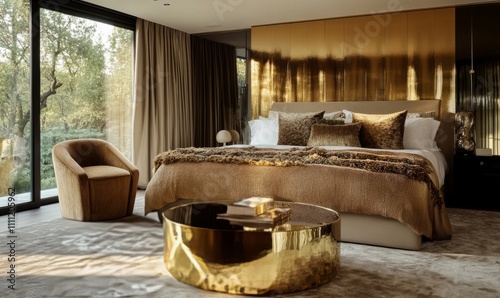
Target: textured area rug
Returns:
[123, 258]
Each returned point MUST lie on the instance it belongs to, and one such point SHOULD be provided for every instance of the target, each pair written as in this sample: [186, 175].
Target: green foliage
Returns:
[74, 58]
[54, 136]
[22, 177]
[22, 181]
[241, 69]
[85, 83]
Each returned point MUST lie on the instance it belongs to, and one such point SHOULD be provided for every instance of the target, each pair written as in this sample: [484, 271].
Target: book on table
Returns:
[270, 218]
[250, 206]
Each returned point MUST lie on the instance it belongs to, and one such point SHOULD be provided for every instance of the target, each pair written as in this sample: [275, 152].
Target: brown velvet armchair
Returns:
[95, 181]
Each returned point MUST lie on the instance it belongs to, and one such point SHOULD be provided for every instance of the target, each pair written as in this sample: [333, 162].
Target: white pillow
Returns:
[348, 116]
[263, 131]
[333, 115]
[420, 133]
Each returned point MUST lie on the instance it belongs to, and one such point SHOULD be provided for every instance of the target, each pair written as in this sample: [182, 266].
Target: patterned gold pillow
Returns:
[384, 131]
[294, 128]
[335, 135]
[428, 114]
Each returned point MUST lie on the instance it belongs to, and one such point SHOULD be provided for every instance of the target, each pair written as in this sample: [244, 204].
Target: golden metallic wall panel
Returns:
[300, 77]
[317, 55]
[364, 64]
[281, 39]
[375, 53]
[354, 75]
[213, 254]
[445, 58]
[316, 39]
[262, 39]
[334, 68]
[308, 52]
[280, 56]
[421, 38]
[299, 39]
[396, 59]
[258, 86]
[261, 67]
[397, 56]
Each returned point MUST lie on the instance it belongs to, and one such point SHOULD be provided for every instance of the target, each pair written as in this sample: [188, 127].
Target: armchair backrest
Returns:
[85, 152]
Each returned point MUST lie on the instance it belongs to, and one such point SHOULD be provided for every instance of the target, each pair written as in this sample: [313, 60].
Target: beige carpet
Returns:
[64, 258]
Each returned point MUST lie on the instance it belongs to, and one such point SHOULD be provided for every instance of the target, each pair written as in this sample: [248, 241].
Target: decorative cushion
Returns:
[420, 133]
[384, 131]
[263, 131]
[333, 115]
[338, 121]
[335, 135]
[347, 116]
[294, 128]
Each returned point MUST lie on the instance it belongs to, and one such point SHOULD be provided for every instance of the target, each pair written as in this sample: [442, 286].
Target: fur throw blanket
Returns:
[412, 166]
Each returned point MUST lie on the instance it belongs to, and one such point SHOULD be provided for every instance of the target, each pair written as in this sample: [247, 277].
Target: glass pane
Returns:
[241, 68]
[86, 86]
[15, 107]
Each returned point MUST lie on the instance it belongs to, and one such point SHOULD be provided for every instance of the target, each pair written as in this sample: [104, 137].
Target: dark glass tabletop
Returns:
[204, 215]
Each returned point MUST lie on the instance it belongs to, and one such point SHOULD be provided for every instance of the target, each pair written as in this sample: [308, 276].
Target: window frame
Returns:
[71, 7]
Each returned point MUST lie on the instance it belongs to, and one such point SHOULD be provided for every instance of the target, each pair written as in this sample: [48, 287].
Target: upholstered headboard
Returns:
[367, 107]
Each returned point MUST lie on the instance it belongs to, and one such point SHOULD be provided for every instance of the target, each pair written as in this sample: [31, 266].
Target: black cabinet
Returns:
[476, 182]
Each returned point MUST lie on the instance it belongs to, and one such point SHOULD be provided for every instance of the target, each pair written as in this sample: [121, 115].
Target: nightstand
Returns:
[476, 182]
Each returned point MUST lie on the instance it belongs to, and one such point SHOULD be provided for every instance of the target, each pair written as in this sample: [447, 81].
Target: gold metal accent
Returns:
[445, 58]
[334, 43]
[209, 253]
[421, 55]
[396, 59]
[390, 56]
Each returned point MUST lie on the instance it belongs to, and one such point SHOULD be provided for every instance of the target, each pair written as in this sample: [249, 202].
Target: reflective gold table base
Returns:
[209, 253]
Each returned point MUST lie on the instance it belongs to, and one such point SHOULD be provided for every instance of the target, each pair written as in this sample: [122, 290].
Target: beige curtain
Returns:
[163, 101]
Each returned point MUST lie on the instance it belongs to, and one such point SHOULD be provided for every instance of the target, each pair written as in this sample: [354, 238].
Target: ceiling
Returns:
[204, 17]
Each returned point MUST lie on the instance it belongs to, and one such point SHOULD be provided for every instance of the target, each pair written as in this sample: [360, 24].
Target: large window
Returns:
[83, 82]
[15, 96]
[86, 85]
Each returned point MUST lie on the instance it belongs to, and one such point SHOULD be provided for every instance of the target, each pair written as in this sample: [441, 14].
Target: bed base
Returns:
[377, 230]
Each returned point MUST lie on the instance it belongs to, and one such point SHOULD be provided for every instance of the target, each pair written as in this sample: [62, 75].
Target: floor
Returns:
[46, 212]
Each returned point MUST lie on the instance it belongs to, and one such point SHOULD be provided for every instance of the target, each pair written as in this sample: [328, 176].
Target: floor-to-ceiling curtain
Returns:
[163, 100]
[215, 90]
[483, 101]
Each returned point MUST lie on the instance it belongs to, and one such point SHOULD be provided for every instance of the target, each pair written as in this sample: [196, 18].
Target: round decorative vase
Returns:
[464, 133]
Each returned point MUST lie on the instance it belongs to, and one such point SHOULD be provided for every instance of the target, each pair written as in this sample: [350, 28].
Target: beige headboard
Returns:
[444, 138]
[367, 107]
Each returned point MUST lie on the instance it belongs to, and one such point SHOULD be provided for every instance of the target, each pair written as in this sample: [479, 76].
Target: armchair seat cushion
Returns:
[105, 172]
[108, 185]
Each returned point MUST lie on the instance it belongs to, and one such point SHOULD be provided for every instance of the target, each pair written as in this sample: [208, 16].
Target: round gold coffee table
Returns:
[213, 254]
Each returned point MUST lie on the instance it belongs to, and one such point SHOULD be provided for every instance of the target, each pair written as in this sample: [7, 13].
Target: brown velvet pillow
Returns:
[335, 135]
[294, 128]
[332, 121]
[384, 131]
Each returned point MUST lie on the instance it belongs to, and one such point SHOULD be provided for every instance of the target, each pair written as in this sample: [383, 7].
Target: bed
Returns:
[389, 196]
